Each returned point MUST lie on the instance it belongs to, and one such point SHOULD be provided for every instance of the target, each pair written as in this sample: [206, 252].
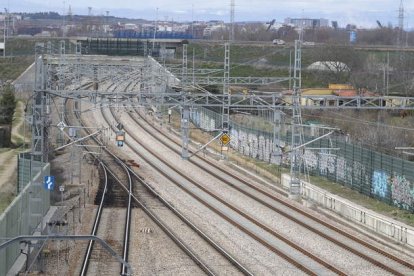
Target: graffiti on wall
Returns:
[402, 192]
[380, 184]
[311, 159]
[252, 144]
[359, 175]
[327, 163]
[341, 169]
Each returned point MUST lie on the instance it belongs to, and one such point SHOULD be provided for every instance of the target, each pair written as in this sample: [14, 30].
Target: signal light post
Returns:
[120, 138]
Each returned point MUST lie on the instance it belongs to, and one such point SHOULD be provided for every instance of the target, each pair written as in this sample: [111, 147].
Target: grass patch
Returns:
[18, 46]
[12, 67]
[253, 61]
[21, 131]
[363, 200]
[20, 54]
[275, 56]
[8, 191]
[5, 200]
[3, 150]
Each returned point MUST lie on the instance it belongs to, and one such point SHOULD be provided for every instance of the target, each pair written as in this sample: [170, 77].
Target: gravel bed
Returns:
[257, 258]
[305, 238]
[152, 252]
[66, 261]
[213, 259]
[101, 262]
[263, 185]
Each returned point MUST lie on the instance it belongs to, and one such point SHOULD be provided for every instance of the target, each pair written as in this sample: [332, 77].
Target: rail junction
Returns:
[115, 91]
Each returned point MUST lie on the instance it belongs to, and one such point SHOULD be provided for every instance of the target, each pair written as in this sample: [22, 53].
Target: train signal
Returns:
[120, 138]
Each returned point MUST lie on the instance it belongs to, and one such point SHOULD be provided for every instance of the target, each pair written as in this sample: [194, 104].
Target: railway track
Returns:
[395, 265]
[392, 264]
[293, 253]
[112, 201]
[292, 212]
[117, 188]
[147, 196]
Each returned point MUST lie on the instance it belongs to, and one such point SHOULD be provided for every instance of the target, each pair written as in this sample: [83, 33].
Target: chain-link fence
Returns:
[387, 178]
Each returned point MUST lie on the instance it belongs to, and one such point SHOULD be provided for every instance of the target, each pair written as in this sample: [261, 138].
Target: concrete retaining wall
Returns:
[395, 230]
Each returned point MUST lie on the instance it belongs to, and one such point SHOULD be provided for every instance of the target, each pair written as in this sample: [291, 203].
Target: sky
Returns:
[363, 13]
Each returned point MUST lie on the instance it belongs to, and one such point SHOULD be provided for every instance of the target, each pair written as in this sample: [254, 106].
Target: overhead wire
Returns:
[353, 120]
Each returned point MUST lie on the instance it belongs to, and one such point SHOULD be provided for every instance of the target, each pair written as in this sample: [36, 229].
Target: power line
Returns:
[353, 120]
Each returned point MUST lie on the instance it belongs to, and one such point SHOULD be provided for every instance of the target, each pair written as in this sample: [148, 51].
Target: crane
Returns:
[271, 23]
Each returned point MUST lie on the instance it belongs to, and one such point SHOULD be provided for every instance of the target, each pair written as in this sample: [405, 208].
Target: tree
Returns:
[335, 58]
[402, 73]
[7, 104]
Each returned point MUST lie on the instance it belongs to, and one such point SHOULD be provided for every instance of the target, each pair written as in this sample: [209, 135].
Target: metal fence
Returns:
[381, 176]
[372, 173]
[22, 217]
[25, 167]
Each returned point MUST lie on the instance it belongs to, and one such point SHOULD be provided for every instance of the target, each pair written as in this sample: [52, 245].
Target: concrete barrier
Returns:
[398, 231]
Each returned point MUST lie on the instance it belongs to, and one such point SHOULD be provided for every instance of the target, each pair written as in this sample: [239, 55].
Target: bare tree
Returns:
[340, 62]
[7, 104]
[402, 76]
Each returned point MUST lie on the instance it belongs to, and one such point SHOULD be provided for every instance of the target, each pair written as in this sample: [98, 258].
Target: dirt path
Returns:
[8, 159]
[8, 166]
[16, 136]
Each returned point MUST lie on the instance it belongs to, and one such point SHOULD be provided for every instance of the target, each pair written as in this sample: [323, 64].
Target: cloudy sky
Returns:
[360, 12]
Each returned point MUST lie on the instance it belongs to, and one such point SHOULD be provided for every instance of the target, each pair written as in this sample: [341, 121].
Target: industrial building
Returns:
[308, 23]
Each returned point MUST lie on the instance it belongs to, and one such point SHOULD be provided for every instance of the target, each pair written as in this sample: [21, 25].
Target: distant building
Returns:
[215, 22]
[130, 26]
[44, 34]
[198, 30]
[212, 28]
[308, 23]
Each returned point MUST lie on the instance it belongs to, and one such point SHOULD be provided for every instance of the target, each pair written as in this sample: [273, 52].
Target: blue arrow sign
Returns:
[49, 182]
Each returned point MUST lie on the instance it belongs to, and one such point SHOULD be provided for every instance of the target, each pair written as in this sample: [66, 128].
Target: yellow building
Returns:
[341, 87]
[322, 92]
[315, 92]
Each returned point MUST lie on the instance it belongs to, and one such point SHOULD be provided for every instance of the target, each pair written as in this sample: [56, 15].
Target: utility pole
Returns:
[388, 74]
[185, 111]
[5, 32]
[192, 21]
[155, 32]
[232, 10]
[107, 21]
[225, 119]
[297, 139]
[400, 25]
[63, 18]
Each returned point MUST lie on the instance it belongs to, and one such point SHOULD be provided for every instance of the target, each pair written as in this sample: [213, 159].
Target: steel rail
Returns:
[290, 259]
[290, 205]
